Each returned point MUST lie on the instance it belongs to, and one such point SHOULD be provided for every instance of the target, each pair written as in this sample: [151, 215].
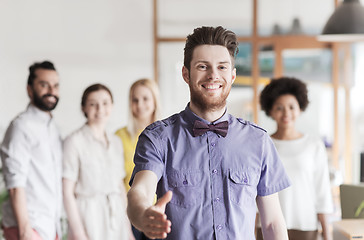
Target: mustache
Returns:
[49, 95]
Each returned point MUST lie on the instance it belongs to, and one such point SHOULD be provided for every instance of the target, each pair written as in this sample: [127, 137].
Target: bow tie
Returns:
[200, 128]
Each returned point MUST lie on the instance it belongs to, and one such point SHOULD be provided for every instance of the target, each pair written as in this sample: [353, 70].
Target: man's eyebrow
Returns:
[45, 82]
[203, 61]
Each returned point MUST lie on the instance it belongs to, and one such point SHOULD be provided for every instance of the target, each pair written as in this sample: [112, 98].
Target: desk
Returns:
[349, 229]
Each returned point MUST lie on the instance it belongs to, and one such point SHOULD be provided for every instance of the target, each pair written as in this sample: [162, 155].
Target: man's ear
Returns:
[233, 75]
[186, 74]
[30, 91]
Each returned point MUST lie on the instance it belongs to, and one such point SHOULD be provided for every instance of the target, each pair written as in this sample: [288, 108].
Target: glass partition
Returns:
[266, 61]
[308, 64]
[243, 65]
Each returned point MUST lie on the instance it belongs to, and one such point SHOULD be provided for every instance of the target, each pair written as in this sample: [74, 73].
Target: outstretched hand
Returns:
[155, 222]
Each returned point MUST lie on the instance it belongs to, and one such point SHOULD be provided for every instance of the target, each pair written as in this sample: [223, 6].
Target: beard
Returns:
[206, 103]
[42, 103]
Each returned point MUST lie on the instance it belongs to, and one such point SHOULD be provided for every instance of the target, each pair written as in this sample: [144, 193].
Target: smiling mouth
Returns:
[211, 86]
[52, 99]
[286, 120]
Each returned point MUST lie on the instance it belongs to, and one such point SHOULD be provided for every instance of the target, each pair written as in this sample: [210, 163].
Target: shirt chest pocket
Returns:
[186, 188]
[243, 187]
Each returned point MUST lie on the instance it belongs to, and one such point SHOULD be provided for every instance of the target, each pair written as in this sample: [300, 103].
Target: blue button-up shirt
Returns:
[214, 180]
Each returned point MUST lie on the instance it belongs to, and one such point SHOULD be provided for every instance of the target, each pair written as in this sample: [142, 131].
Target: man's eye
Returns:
[202, 67]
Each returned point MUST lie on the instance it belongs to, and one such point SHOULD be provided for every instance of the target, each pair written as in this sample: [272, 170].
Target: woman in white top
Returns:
[307, 202]
[93, 172]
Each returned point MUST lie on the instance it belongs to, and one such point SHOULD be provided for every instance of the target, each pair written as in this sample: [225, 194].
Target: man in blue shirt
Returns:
[207, 167]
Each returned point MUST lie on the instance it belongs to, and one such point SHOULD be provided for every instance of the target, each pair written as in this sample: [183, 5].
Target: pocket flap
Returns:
[243, 177]
[184, 179]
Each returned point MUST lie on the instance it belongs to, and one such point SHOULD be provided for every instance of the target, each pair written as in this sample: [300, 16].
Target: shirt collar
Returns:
[87, 129]
[42, 115]
[192, 117]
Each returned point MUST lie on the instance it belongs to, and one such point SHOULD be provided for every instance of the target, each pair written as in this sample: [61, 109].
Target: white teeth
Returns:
[51, 99]
[212, 87]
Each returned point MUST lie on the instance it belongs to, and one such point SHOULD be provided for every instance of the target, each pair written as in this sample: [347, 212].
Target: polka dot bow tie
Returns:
[220, 128]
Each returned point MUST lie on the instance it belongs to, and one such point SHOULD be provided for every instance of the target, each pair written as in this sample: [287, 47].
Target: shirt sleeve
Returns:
[148, 155]
[16, 156]
[322, 186]
[273, 176]
[71, 159]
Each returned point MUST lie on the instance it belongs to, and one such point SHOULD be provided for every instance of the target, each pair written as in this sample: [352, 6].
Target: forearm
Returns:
[74, 219]
[272, 220]
[325, 226]
[72, 211]
[148, 218]
[19, 205]
[140, 197]
[138, 203]
[275, 231]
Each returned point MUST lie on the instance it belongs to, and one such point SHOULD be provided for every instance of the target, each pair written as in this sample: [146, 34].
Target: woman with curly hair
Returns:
[307, 202]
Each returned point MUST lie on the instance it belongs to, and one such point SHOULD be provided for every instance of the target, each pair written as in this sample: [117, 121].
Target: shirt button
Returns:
[219, 227]
[217, 199]
[214, 171]
[185, 182]
[213, 144]
[245, 180]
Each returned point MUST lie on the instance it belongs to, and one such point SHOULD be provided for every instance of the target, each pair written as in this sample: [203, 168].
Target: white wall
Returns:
[91, 41]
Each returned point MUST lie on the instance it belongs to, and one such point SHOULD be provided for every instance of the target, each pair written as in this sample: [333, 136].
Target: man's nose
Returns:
[213, 74]
[53, 90]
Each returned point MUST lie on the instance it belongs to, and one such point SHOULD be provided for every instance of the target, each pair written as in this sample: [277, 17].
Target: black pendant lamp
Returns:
[346, 24]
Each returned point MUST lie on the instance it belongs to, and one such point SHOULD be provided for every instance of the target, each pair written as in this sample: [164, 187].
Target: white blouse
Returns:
[98, 171]
[306, 163]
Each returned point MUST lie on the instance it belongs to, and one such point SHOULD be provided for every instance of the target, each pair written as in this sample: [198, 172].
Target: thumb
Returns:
[162, 202]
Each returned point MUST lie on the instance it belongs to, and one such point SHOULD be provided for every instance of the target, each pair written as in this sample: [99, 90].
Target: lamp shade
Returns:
[346, 24]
